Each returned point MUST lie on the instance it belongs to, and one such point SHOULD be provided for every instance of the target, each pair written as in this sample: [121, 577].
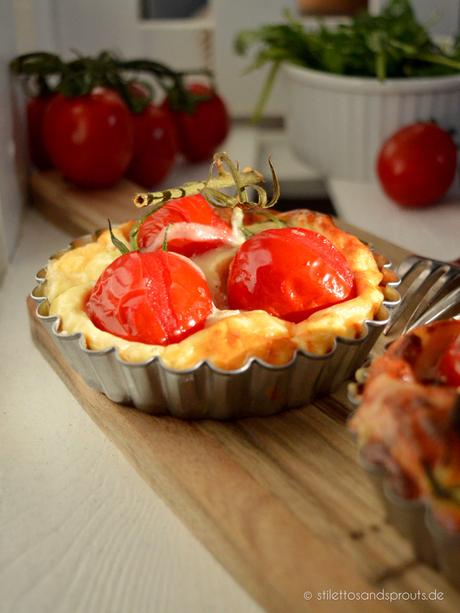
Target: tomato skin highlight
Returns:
[155, 146]
[417, 165]
[36, 108]
[89, 138]
[155, 298]
[201, 132]
[290, 273]
[191, 209]
[449, 365]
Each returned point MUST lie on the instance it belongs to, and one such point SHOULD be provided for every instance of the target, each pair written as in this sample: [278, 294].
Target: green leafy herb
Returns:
[392, 44]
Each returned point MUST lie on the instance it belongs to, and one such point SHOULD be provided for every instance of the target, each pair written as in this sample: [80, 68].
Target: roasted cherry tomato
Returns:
[155, 146]
[156, 298]
[192, 212]
[202, 131]
[36, 108]
[289, 272]
[450, 364]
[89, 138]
[417, 165]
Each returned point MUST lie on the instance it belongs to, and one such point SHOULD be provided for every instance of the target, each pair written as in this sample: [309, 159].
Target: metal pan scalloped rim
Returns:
[413, 519]
[205, 391]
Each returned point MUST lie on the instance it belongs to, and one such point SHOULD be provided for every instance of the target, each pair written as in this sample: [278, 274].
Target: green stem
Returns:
[265, 93]
[381, 66]
[438, 59]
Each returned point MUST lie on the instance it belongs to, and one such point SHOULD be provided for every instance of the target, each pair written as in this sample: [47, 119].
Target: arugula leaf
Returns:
[392, 44]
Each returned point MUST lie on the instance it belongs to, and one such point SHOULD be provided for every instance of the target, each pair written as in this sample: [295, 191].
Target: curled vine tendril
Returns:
[211, 189]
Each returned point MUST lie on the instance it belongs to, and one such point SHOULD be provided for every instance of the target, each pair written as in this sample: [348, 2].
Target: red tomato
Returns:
[155, 146]
[138, 90]
[450, 364]
[201, 132]
[288, 272]
[36, 108]
[89, 138]
[190, 209]
[417, 165]
[156, 298]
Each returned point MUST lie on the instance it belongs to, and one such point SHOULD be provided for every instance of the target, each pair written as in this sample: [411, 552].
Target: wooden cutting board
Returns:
[79, 211]
[280, 501]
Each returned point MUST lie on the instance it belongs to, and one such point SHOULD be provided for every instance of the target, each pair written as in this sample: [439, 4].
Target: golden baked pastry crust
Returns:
[230, 341]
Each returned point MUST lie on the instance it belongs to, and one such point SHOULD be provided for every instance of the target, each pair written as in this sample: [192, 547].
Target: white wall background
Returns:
[12, 167]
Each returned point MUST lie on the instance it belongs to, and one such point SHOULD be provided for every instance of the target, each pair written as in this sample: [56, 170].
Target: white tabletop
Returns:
[433, 232]
[80, 531]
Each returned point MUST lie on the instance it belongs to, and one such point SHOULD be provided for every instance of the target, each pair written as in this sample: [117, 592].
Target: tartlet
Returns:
[408, 433]
[243, 362]
[227, 342]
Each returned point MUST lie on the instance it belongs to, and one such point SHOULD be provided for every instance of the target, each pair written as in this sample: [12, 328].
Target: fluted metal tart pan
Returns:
[431, 542]
[205, 391]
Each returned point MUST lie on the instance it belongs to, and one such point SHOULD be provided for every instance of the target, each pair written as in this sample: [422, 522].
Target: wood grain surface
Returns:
[279, 501]
[77, 210]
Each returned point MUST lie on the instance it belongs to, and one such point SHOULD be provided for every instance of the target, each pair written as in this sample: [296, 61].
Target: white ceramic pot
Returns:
[337, 123]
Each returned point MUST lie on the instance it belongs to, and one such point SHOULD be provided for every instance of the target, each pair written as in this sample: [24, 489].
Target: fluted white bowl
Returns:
[337, 124]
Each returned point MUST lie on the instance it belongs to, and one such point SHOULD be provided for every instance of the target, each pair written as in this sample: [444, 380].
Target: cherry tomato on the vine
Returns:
[202, 131]
[192, 210]
[89, 138]
[156, 298]
[289, 272]
[155, 146]
[140, 91]
[450, 364]
[36, 108]
[416, 166]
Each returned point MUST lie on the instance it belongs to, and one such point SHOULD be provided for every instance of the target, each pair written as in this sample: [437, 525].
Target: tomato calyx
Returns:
[187, 99]
[116, 242]
[48, 73]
